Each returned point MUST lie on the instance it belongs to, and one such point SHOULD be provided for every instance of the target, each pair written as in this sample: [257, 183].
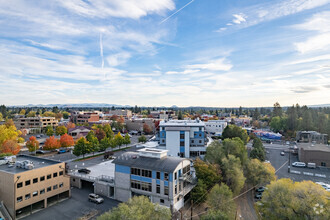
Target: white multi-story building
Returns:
[184, 138]
[215, 127]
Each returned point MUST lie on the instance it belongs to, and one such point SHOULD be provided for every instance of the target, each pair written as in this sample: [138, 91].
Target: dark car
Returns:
[84, 170]
[40, 152]
[261, 189]
[258, 195]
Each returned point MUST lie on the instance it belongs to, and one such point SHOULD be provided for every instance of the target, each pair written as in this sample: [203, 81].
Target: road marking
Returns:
[295, 172]
[281, 166]
[308, 174]
[320, 175]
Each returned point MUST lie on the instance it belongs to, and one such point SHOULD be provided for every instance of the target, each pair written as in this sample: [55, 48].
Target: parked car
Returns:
[40, 152]
[95, 198]
[261, 189]
[298, 164]
[311, 165]
[38, 136]
[84, 170]
[282, 153]
[258, 195]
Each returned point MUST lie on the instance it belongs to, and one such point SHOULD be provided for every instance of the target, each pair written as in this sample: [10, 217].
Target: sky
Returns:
[226, 53]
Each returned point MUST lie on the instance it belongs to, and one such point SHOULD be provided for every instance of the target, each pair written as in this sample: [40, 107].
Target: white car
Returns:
[95, 198]
[298, 164]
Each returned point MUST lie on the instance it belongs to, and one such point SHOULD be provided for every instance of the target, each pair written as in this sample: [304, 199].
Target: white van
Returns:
[298, 164]
[311, 165]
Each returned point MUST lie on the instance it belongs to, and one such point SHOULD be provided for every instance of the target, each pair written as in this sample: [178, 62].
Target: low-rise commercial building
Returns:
[127, 114]
[311, 137]
[314, 153]
[150, 172]
[184, 138]
[137, 124]
[215, 127]
[31, 184]
[36, 124]
[84, 117]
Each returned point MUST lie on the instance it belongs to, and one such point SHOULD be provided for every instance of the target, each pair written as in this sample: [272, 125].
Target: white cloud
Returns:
[118, 59]
[219, 64]
[239, 18]
[118, 8]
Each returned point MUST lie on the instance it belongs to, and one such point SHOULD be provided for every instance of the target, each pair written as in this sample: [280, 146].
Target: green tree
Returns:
[284, 199]
[1, 116]
[92, 142]
[232, 131]
[82, 147]
[32, 144]
[258, 150]
[22, 112]
[277, 110]
[259, 173]
[233, 173]
[235, 147]
[208, 173]
[65, 114]
[60, 130]
[137, 208]
[105, 143]
[220, 199]
[127, 140]
[180, 117]
[31, 114]
[214, 215]
[214, 153]
[199, 192]
[108, 131]
[142, 139]
[276, 124]
[49, 130]
[307, 121]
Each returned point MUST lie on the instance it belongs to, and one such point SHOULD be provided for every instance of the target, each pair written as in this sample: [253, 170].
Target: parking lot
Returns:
[296, 173]
[75, 207]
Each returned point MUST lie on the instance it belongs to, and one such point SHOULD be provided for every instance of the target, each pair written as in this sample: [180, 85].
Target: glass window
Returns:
[166, 176]
[158, 189]
[49, 189]
[60, 185]
[175, 175]
[19, 199]
[35, 180]
[35, 193]
[55, 186]
[42, 191]
[42, 178]
[19, 185]
[181, 143]
[55, 174]
[158, 175]
[49, 176]
[181, 136]
[162, 201]
[60, 173]
[27, 196]
[166, 190]
[176, 189]
[200, 141]
[28, 182]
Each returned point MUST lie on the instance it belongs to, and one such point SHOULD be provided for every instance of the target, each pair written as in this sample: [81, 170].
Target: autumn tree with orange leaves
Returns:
[32, 144]
[66, 140]
[52, 143]
[70, 125]
[10, 146]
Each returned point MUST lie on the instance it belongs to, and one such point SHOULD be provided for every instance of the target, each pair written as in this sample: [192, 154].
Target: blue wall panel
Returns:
[122, 169]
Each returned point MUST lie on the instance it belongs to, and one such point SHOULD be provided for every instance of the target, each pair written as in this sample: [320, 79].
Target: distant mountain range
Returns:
[105, 105]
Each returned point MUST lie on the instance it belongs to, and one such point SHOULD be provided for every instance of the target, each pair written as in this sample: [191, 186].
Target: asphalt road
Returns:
[73, 208]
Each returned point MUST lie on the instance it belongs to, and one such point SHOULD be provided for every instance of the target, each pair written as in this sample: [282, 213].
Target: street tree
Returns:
[52, 143]
[108, 131]
[66, 140]
[142, 139]
[82, 147]
[8, 132]
[220, 199]
[105, 143]
[10, 146]
[92, 142]
[100, 134]
[60, 130]
[32, 144]
[137, 208]
[118, 139]
[127, 140]
[233, 173]
[146, 129]
[257, 172]
[285, 199]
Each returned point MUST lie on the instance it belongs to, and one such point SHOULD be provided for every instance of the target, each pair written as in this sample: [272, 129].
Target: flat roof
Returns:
[133, 159]
[181, 123]
[315, 147]
[37, 162]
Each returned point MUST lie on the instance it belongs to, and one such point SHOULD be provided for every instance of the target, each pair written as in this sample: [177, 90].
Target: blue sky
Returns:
[167, 52]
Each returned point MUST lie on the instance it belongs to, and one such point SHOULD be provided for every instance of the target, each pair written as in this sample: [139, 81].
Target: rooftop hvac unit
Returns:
[18, 164]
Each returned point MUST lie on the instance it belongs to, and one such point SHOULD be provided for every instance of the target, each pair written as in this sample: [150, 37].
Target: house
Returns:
[79, 131]
[150, 172]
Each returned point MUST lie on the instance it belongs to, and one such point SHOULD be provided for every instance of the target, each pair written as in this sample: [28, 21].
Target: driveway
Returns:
[73, 208]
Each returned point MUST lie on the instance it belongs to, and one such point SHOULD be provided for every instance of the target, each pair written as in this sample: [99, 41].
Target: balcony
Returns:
[188, 178]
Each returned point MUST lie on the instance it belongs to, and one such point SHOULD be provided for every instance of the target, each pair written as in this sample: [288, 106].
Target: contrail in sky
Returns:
[101, 50]
[176, 12]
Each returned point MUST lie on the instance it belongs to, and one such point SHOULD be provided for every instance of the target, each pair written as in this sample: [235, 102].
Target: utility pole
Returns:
[289, 161]
[191, 209]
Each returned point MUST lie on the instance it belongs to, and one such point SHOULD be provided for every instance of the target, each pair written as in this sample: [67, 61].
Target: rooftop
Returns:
[181, 123]
[133, 159]
[37, 162]
[314, 147]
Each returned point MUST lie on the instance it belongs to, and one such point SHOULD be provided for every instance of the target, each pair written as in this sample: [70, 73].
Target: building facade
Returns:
[311, 137]
[215, 127]
[31, 184]
[84, 117]
[36, 124]
[314, 153]
[184, 138]
[137, 124]
[127, 114]
[150, 172]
